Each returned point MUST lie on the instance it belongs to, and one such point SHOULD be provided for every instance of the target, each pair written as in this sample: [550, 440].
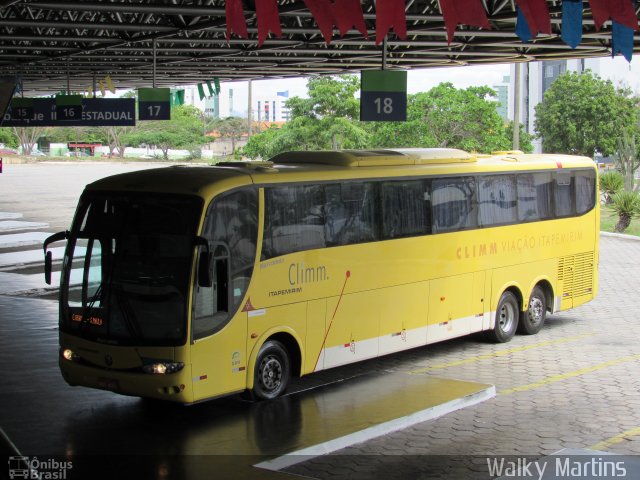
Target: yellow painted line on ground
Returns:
[502, 353]
[564, 376]
[617, 439]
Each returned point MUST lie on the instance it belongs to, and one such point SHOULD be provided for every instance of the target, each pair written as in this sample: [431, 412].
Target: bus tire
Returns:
[272, 371]
[532, 319]
[507, 316]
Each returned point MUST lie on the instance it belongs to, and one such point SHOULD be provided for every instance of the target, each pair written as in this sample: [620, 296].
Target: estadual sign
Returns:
[96, 112]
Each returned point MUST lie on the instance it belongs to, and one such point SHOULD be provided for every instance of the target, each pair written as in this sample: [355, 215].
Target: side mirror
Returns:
[48, 258]
[204, 263]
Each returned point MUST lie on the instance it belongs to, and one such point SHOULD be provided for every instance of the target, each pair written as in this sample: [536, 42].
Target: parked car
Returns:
[76, 154]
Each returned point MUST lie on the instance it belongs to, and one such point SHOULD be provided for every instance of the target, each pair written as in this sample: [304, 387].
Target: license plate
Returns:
[108, 384]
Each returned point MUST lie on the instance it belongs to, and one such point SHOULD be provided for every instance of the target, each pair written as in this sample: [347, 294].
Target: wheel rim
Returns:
[506, 317]
[536, 310]
[271, 373]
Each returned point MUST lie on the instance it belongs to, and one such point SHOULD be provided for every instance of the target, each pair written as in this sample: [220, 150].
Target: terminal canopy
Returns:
[49, 43]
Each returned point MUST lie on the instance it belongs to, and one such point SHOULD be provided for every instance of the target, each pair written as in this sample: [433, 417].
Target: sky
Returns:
[618, 70]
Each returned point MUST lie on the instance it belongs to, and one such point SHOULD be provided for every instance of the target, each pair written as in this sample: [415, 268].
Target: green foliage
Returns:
[325, 120]
[231, 127]
[627, 159]
[627, 205]
[610, 183]
[448, 117]
[8, 137]
[184, 130]
[582, 114]
[526, 138]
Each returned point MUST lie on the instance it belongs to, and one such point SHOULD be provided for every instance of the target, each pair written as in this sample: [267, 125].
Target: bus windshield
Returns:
[131, 256]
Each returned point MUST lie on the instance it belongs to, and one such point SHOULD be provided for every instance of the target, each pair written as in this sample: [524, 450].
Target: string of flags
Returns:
[533, 17]
[212, 88]
[103, 85]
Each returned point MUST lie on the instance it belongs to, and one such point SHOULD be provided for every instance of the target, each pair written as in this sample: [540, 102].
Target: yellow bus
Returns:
[190, 283]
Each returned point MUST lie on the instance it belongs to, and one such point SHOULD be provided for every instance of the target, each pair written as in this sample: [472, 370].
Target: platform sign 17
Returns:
[154, 104]
[383, 96]
[68, 107]
[22, 108]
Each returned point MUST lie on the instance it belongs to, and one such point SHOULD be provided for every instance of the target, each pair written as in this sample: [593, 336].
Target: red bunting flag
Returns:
[621, 11]
[468, 12]
[536, 12]
[268, 19]
[348, 14]
[236, 23]
[390, 13]
[322, 12]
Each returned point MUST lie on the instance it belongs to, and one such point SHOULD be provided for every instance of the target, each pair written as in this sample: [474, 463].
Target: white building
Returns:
[535, 79]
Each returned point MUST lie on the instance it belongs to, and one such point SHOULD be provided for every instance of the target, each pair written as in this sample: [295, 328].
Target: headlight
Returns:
[163, 368]
[70, 355]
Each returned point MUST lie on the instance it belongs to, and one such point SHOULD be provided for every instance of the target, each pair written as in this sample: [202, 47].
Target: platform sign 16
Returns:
[22, 108]
[383, 96]
[68, 107]
[154, 104]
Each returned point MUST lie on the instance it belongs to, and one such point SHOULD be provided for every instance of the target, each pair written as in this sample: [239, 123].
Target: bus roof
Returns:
[305, 166]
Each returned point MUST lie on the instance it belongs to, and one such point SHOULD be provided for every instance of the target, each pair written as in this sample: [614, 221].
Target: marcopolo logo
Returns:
[38, 469]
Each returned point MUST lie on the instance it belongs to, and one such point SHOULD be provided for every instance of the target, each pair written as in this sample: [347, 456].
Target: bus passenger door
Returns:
[219, 324]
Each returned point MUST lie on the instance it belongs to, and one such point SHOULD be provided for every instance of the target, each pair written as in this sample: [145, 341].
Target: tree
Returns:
[8, 138]
[627, 205]
[28, 137]
[627, 159]
[328, 119]
[582, 114]
[118, 139]
[611, 183]
[449, 117]
[184, 130]
[232, 128]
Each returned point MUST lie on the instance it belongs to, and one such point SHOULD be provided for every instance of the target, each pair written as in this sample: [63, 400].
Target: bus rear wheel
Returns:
[532, 319]
[271, 375]
[507, 315]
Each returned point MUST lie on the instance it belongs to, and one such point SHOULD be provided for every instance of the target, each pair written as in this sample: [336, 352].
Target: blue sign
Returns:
[96, 112]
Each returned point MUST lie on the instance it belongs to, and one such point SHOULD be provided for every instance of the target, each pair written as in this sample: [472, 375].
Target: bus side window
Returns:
[350, 213]
[534, 196]
[232, 225]
[404, 209]
[563, 194]
[453, 201]
[497, 200]
[585, 191]
[294, 219]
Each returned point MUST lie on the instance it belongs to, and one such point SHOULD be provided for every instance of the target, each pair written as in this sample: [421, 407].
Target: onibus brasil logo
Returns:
[36, 469]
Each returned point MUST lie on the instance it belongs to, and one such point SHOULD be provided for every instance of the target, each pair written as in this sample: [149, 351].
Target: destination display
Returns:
[96, 112]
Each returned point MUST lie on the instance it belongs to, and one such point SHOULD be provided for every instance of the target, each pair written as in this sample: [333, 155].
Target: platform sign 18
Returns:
[154, 104]
[22, 108]
[68, 107]
[383, 96]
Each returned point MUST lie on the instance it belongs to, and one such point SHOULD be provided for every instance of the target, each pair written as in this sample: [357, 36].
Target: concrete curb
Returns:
[619, 235]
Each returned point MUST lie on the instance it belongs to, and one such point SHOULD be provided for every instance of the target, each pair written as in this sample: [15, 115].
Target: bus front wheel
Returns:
[532, 320]
[272, 371]
[507, 315]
